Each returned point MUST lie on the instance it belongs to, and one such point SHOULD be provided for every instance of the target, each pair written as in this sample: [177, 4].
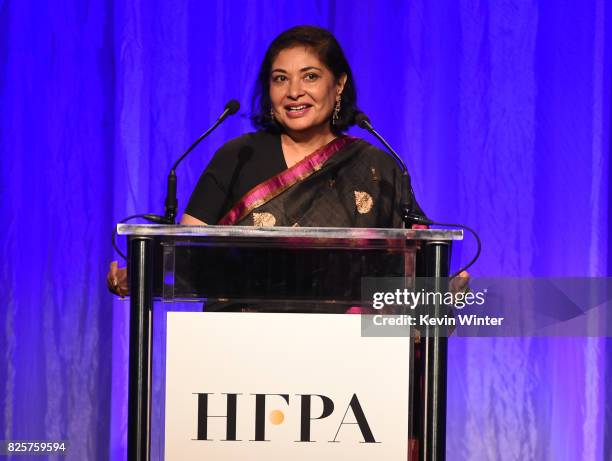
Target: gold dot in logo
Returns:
[277, 417]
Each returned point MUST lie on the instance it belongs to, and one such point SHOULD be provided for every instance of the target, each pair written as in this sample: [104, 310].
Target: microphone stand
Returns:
[171, 201]
[409, 215]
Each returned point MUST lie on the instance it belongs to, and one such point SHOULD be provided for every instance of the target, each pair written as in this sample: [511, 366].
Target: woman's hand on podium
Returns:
[117, 280]
[117, 277]
[460, 284]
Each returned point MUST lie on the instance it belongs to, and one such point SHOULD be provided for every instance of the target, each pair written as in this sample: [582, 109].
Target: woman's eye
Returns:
[279, 78]
[311, 76]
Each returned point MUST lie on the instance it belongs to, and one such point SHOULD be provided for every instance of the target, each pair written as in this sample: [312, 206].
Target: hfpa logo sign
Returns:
[277, 417]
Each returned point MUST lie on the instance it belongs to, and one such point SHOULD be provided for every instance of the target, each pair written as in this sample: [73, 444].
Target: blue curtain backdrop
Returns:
[500, 108]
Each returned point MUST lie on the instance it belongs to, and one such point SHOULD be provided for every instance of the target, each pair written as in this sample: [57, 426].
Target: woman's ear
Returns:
[341, 82]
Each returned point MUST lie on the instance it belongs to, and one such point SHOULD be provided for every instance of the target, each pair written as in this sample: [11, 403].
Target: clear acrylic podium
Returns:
[234, 268]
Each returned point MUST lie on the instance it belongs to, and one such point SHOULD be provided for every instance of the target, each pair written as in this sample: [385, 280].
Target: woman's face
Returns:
[303, 91]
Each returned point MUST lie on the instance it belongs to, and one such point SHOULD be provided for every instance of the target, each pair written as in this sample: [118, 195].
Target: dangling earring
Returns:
[336, 110]
[272, 115]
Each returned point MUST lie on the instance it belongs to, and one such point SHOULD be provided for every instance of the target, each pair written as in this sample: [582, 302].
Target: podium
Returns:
[286, 270]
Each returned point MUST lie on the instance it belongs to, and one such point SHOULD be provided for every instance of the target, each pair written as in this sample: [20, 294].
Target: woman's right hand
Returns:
[117, 277]
[117, 280]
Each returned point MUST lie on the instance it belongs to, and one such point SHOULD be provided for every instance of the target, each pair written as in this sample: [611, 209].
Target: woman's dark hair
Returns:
[328, 50]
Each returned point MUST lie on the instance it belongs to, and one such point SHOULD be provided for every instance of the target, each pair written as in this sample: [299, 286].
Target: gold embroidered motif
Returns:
[263, 220]
[296, 225]
[363, 202]
[375, 176]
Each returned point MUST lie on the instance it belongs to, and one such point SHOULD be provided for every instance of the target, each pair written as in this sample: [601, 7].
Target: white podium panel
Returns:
[254, 386]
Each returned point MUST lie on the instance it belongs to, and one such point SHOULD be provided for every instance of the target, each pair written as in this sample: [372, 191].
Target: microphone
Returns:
[171, 202]
[409, 215]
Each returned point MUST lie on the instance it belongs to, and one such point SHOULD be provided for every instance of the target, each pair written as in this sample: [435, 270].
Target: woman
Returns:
[298, 169]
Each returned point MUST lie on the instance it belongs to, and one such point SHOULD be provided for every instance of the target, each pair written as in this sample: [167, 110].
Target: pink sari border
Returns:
[274, 186]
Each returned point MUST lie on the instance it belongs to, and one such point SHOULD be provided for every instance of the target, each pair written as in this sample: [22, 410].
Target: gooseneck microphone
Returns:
[409, 214]
[171, 202]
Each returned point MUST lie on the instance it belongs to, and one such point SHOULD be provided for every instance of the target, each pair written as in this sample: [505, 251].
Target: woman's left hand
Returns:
[460, 283]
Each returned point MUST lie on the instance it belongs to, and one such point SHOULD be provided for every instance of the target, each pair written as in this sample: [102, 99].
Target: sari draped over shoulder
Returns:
[346, 183]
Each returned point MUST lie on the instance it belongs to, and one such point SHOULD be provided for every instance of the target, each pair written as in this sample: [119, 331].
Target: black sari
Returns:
[346, 183]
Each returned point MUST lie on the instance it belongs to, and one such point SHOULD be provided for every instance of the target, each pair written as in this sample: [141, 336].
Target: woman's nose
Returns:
[295, 88]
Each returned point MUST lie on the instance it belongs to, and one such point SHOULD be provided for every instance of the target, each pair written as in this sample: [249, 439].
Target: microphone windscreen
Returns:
[232, 107]
[362, 120]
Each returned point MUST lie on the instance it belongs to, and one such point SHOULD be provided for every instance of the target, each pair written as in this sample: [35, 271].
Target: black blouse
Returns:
[237, 167]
